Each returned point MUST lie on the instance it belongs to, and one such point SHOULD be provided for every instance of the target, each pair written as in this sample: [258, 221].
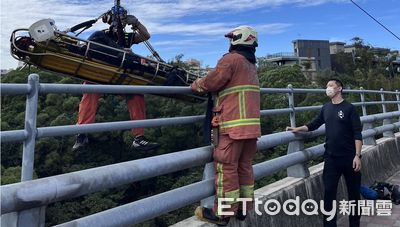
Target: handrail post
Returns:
[385, 121]
[291, 105]
[363, 106]
[368, 125]
[28, 152]
[398, 100]
[35, 216]
[208, 173]
[298, 170]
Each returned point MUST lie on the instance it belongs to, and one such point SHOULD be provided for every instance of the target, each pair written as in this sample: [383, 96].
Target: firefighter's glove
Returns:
[196, 86]
[107, 17]
[132, 20]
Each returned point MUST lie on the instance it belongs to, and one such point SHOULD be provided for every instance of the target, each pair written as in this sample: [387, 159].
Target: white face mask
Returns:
[330, 91]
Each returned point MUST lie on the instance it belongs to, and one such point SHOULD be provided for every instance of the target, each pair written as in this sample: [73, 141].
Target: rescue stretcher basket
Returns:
[98, 63]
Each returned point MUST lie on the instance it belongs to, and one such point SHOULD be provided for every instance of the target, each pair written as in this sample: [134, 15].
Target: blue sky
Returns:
[195, 28]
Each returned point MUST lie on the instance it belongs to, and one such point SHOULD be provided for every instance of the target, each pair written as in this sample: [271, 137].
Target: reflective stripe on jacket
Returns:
[236, 84]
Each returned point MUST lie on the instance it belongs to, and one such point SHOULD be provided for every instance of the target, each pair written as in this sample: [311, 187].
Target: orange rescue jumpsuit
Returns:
[89, 103]
[235, 82]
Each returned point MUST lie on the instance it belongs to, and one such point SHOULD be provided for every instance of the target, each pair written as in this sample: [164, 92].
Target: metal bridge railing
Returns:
[30, 194]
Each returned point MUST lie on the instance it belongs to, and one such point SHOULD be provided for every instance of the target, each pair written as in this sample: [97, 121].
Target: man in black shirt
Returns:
[342, 148]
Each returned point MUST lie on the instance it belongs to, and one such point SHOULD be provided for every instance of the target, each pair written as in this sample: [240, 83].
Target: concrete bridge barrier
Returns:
[378, 163]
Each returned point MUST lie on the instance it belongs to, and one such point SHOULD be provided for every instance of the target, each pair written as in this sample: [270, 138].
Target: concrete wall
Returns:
[314, 48]
[378, 163]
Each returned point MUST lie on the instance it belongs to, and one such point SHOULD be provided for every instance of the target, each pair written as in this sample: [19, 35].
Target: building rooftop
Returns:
[337, 43]
[311, 40]
[281, 54]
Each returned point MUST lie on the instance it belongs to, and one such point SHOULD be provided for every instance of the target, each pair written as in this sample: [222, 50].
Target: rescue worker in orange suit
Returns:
[236, 111]
[136, 104]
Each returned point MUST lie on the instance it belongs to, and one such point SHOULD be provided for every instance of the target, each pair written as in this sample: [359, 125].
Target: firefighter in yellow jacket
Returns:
[236, 86]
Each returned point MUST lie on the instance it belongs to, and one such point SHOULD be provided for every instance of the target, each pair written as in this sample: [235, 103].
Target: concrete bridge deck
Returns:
[380, 221]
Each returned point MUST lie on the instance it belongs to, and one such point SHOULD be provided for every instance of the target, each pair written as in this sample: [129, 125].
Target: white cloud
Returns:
[183, 42]
[272, 29]
[161, 17]
[21, 14]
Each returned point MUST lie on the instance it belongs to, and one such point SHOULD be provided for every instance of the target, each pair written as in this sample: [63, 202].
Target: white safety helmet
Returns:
[42, 30]
[243, 35]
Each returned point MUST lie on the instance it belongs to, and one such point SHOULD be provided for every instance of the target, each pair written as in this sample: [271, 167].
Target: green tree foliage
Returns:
[10, 175]
[365, 67]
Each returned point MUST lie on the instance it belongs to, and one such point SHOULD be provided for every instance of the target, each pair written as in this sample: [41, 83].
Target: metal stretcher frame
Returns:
[98, 63]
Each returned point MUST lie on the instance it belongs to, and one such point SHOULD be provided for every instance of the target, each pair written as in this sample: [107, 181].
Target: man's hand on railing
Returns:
[297, 129]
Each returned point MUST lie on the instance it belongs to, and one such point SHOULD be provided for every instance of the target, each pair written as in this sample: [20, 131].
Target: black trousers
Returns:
[334, 167]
